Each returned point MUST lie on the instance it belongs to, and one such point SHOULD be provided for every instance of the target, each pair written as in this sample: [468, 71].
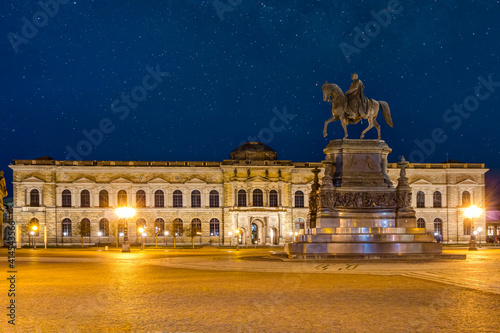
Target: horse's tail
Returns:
[386, 111]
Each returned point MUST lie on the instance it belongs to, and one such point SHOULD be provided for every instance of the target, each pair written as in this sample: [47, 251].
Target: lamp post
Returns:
[472, 212]
[157, 231]
[34, 228]
[479, 233]
[32, 233]
[166, 234]
[64, 235]
[99, 234]
[237, 239]
[141, 231]
[230, 238]
[125, 213]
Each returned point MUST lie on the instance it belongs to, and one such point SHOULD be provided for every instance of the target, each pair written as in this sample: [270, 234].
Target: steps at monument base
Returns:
[354, 238]
[376, 230]
[363, 248]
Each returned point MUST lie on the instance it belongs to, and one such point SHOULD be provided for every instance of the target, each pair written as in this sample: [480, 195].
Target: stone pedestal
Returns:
[357, 210]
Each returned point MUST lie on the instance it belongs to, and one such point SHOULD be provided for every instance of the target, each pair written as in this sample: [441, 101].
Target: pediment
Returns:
[121, 180]
[195, 181]
[421, 182]
[258, 179]
[84, 180]
[158, 180]
[467, 182]
[33, 179]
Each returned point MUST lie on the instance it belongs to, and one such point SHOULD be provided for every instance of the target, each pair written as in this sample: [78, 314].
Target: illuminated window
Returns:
[140, 198]
[258, 198]
[242, 198]
[196, 226]
[214, 199]
[466, 199]
[177, 198]
[159, 226]
[273, 198]
[66, 227]
[491, 231]
[299, 224]
[34, 222]
[104, 227]
[141, 223]
[421, 223]
[159, 198]
[85, 198]
[34, 198]
[420, 199]
[195, 198]
[103, 198]
[122, 198]
[299, 199]
[467, 226]
[66, 198]
[85, 228]
[214, 227]
[438, 226]
[437, 199]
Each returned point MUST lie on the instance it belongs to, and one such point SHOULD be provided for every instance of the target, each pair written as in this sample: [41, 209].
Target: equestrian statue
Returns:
[353, 106]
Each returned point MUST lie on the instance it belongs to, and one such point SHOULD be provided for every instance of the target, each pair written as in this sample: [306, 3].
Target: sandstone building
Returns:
[205, 202]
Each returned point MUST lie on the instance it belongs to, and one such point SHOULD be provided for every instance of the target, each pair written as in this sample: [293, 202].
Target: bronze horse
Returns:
[333, 94]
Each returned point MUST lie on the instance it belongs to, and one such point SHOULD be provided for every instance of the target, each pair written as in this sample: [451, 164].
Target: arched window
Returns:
[273, 198]
[466, 202]
[34, 223]
[214, 199]
[436, 199]
[140, 198]
[299, 224]
[159, 226]
[177, 199]
[214, 227]
[141, 223]
[467, 226]
[258, 198]
[438, 227]
[34, 198]
[103, 198]
[85, 228]
[66, 227]
[195, 199]
[299, 199]
[242, 198]
[420, 199]
[421, 223]
[122, 198]
[178, 227]
[104, 227]
[196, 227]
[121, 227]
[66, 198]
[85, 198]
[491, 230]
[159, 198]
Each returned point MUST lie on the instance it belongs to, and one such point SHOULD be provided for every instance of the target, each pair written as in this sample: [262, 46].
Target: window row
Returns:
[122, 198]
[258, 198]
[176, 228]
[437, 199]
[438, 225]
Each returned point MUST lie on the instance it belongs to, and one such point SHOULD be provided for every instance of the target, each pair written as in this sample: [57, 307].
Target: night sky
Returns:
[225, 71]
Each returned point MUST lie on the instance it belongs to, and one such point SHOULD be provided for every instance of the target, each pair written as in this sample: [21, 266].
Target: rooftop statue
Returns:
[353, 106]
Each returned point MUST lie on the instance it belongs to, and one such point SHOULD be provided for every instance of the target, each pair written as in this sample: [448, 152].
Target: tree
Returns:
[84, 229]
[113, 229]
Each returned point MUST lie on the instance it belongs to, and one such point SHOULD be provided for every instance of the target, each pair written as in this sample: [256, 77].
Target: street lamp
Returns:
[64, 235]
[34, 228]
[237, 239]
[479, 232]
[125, 213]
[166, 234]
[230, 238]
[472, 212]
[141, 231]
[99, 234]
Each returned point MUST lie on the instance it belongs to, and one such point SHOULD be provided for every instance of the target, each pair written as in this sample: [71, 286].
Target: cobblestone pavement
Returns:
[212, 290]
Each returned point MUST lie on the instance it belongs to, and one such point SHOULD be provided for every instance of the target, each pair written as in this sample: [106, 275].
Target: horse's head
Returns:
[327, 92]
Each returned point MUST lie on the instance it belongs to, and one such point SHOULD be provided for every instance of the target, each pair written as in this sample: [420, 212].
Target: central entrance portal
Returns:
[255, 234]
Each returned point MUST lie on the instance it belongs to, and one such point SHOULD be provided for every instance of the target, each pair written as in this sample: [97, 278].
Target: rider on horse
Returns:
[356, 100]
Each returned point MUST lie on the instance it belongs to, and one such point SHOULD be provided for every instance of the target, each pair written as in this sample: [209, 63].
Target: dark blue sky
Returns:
[226, 76]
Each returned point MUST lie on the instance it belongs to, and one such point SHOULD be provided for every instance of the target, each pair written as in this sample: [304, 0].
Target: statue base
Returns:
[357, 210]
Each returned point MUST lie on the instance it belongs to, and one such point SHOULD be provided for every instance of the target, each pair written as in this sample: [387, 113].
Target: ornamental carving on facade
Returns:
[358, 199]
